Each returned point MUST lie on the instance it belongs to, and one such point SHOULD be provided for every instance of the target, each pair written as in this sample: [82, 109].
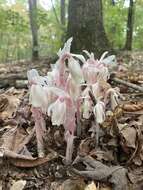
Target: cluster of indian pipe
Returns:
[65, 94]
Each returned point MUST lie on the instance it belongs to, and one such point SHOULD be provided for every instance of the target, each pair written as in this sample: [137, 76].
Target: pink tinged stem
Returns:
[97, 134]
[107, 94]
[40, 127]
[70, 146]
[62, 80]
[78, 114]
[70, 117]
[70, 127]
[62, 75]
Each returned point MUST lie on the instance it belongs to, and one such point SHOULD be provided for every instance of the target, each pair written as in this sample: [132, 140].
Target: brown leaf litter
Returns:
[115, 165]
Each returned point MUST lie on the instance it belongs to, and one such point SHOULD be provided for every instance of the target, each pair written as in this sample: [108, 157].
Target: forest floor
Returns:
[115, 165]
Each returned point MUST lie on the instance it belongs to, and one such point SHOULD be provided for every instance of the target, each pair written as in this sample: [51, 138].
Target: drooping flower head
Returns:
[94, 69]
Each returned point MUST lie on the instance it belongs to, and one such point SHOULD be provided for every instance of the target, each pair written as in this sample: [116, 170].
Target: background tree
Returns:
[85, 24]
[15, 33]
[63, 12]
[34, 28]
[130, 26]
[113, 2]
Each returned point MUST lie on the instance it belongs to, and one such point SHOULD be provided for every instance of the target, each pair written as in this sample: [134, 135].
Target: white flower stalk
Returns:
[85, 72]
[110, 60]
[42, 97]
[35, 78]
[90, 55]
[87, 108]
[32, 74]
[96, 90]
[80, 57]
[103, 56]
[57, 111]
[66, 48]
[113, 95]
[40, 126]
[114, 100]
[70, 145]
[52, 76]
[90, 72]
[60, 67]
[87, 104]
[99, 112]
[58, 92]
[73, 88]
[73, 65]
[93, 70]
[59, 74]
[103, 73]
[75, 70]
[50, 96]
[38, 97]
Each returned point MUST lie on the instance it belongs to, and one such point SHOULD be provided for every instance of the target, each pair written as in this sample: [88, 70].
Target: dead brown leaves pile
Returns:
[115, 165]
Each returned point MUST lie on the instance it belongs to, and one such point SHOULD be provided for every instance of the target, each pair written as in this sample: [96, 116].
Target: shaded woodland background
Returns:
[30, 29]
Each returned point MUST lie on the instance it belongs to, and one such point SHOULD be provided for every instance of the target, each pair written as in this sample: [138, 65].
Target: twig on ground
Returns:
[120, 81]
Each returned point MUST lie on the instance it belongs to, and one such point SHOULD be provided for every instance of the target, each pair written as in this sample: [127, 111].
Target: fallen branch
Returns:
[120, 81]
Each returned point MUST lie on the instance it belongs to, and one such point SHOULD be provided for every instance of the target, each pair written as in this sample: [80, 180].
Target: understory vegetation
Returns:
[15, 32]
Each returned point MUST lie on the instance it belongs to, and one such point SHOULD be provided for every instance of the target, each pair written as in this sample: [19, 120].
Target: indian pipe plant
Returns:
[60, 94]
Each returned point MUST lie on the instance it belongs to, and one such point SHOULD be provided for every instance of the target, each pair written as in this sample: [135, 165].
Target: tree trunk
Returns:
[113, 2]
[63, 20]
[34, 28]
[130, 25]
[85, 25]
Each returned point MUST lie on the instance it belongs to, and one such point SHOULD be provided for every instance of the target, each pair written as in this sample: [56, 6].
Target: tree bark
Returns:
[113, 2]
[63, 13]
[54, 10]
[85, 25]
[130, 25]
[34, 28]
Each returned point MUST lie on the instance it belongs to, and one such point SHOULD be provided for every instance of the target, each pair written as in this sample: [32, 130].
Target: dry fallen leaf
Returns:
[55, 186]
[13, 138]
[9, 107]
[9, 102]
[102, 155]
[73, 184]
[23, 161]
[18, 185]
[86, 146]
[135, 77]
[91, 186]
[129, 134]
[105, 188]
[132, 107]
